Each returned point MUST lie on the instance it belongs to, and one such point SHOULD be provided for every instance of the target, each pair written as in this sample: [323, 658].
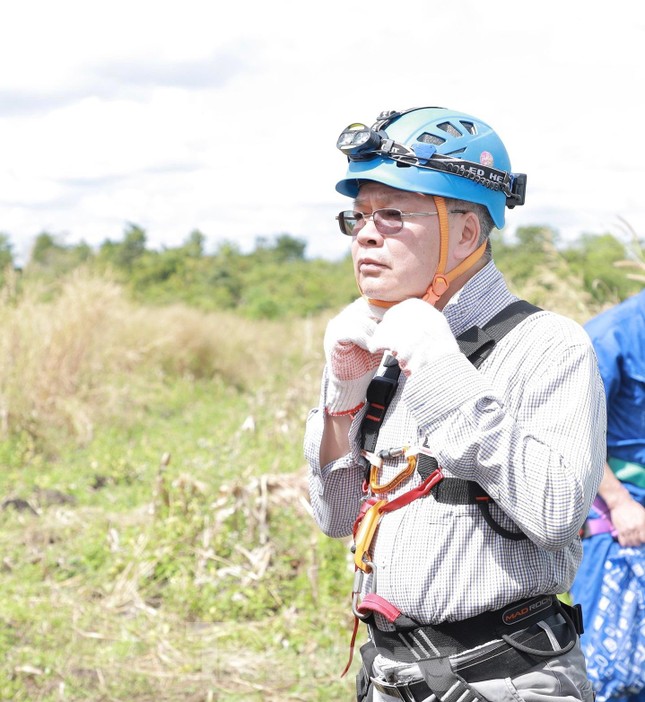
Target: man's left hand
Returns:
[415, 333]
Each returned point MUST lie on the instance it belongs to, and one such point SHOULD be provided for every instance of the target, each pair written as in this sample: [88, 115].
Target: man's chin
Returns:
[376, 289]
[384, 295]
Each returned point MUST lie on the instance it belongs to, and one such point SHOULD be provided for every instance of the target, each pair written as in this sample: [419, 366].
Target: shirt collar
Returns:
[480, 299]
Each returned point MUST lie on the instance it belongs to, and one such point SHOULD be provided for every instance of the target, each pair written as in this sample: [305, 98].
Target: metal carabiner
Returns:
[359, 576]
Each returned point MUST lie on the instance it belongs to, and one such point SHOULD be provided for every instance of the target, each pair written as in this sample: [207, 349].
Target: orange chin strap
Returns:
[441, 279]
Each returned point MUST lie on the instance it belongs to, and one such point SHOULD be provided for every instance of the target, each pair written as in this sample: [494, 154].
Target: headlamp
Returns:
[359, 142]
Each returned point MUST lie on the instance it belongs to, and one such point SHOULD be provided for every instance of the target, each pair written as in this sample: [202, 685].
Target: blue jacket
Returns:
[618, 336]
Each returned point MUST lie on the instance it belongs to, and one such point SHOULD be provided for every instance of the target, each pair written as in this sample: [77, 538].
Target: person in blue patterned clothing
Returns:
[460, 435]
[610, 584]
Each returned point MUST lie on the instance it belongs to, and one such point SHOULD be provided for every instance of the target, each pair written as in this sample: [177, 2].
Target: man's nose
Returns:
[368, 234]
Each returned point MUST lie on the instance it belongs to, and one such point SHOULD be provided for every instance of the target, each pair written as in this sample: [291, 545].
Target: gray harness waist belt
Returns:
[503, 643]
[410, 642]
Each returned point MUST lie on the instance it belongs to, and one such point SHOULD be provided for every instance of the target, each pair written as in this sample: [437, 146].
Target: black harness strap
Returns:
[380, 392]
[455, 491]
[476, 344]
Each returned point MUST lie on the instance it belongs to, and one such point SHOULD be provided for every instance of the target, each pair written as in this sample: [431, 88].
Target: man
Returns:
[465, 487]
[611, 579]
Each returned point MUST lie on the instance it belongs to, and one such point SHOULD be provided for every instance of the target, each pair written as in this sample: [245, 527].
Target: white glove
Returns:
[415, 333]
[350, 364]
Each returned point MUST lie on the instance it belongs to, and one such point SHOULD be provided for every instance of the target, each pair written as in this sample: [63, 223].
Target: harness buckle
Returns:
[380, 390]
[399, 691]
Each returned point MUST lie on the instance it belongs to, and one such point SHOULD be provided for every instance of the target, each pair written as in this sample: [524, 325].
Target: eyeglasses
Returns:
[387, 220]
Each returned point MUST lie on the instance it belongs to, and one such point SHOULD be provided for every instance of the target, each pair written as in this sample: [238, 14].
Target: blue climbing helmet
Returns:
[436, 151]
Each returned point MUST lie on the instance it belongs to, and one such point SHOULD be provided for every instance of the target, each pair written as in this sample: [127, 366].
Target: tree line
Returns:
[276, 279]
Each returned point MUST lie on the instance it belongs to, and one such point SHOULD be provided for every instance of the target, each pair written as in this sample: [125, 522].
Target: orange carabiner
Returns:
[386, 487]
[365, 534]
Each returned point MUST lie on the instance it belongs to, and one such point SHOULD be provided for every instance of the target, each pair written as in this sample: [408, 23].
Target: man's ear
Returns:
[468, 235]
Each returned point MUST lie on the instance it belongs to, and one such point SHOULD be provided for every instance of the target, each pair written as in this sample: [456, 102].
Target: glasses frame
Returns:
[341, 218]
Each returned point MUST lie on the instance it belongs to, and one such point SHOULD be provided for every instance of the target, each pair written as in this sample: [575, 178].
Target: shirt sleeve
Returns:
[534, 439]
[335, 489]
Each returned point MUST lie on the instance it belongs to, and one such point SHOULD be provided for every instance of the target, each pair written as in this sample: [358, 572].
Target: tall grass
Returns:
[89, 355]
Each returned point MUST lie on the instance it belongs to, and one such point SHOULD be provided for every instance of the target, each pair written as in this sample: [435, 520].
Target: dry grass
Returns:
[88, 354]
[557, 288]
[634, 267]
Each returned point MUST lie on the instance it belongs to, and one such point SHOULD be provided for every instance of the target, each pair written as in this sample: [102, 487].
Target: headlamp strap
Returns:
[387, 116]
[489, 177]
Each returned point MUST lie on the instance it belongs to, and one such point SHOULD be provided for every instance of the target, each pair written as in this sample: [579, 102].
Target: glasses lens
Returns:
[388, 220]
[349, 222]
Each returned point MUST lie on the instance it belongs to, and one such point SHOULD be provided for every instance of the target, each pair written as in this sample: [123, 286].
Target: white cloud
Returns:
[187, 115]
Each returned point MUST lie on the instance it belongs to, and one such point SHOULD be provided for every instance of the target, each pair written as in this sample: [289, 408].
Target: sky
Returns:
[223, 116]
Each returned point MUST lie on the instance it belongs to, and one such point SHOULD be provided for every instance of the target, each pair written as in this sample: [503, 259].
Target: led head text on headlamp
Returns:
[362, 143]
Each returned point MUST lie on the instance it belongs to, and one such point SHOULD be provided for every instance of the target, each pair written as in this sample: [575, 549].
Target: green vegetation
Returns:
[277, 281]
[274, 281]
[598, 263]
[155, 536]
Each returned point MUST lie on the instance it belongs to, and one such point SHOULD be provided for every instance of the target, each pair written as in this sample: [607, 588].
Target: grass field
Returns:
[155, 535]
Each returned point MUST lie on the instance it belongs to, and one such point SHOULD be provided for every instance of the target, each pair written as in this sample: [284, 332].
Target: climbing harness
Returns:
[476, 343]
[451, 656]
[422, 644]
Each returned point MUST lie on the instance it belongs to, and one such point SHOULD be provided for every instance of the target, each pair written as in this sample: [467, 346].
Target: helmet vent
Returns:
[450, 129]
[431, 139]
[469, 127]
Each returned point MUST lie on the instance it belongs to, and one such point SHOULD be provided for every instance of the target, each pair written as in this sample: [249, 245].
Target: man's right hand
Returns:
[350, 365]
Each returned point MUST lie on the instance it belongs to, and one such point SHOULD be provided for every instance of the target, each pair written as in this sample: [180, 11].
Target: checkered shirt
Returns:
[529, 426]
